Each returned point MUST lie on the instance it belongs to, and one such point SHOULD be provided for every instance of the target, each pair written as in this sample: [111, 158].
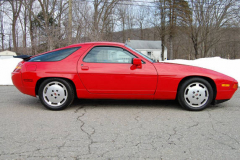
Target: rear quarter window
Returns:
[54, 56]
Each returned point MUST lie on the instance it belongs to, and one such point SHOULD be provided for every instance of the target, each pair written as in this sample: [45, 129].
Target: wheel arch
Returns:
[41, 80]
[210, 81]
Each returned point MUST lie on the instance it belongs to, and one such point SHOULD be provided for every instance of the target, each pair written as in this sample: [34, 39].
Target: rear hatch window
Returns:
[54, 56]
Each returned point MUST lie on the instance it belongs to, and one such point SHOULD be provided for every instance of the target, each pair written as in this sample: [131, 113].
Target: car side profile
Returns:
[107, 70]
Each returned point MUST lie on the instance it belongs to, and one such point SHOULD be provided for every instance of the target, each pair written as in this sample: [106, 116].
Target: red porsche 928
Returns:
[106, 70]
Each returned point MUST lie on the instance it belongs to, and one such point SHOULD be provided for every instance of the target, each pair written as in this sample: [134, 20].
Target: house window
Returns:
[149, 54]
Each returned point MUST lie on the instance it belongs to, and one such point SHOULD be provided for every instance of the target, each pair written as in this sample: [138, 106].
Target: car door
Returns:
[107, 70]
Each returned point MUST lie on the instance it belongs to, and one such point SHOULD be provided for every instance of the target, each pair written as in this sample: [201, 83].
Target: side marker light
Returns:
[225, 85]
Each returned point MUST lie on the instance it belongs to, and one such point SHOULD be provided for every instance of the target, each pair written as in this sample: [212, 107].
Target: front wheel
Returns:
[56, 93]
[195, 94]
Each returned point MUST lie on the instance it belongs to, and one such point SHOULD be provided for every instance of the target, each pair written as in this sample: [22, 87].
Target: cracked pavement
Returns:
[114, 129]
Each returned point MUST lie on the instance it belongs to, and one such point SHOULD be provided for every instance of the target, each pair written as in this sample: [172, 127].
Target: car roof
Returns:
[88, 43]
[81, 44]
[96, 43]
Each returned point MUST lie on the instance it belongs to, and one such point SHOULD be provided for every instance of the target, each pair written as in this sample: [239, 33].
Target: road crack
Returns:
[83, 124]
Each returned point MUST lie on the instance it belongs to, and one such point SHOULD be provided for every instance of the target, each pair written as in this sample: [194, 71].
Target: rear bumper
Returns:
[17, 81]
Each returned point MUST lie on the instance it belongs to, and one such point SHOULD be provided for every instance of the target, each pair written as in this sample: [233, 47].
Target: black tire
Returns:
[56, 93]
[195, 94]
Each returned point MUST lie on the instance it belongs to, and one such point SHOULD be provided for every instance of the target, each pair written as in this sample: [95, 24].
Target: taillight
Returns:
[18, 68]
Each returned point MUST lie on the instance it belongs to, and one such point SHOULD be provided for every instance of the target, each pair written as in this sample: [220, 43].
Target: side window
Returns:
[54, 56]
[108, 55]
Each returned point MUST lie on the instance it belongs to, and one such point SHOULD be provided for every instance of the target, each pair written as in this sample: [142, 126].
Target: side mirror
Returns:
[137, 62]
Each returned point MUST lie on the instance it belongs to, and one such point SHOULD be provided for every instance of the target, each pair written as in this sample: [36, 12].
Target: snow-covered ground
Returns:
[6, 68]
[225, 66]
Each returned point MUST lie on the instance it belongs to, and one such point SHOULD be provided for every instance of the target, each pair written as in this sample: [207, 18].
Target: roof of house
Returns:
[142, 44]
[7, 53]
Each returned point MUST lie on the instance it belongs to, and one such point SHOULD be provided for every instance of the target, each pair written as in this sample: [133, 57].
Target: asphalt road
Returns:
[108, 129]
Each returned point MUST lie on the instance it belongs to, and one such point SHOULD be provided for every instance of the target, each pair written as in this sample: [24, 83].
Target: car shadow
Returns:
[163, 104]
[34, 103]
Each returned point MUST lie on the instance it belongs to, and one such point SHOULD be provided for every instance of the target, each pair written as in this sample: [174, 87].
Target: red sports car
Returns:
[106, 70]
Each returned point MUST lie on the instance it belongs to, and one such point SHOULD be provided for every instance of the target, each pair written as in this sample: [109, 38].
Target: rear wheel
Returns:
[195, 94]
[56, 93]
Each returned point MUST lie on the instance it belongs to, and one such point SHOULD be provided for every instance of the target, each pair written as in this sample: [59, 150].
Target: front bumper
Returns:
[219, 101]
[226, 94]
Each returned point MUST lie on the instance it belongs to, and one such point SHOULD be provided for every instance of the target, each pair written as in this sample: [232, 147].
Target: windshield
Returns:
[148, 58]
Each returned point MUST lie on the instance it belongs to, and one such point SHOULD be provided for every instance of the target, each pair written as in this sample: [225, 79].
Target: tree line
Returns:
[188, 28]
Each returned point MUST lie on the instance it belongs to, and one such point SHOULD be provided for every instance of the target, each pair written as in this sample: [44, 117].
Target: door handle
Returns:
[84, 67]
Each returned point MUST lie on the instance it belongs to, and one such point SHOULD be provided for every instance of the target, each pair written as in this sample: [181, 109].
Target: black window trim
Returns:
[55, 51]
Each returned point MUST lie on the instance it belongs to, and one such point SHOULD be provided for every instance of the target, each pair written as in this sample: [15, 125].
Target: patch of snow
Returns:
[6, 68]
[225, 66]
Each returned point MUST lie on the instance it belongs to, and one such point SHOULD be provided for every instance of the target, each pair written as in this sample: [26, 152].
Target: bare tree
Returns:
[206, 24]
[16, 8]
[102, 10]
[190, 29]
[141, 19]
[161, 27]
[172, 24]
[1, 25]
[62, 24]
[23, 22]
[70, 22]
[29, 6]
[130, 21]
[48, 8]
[122, 11]
[82, 21]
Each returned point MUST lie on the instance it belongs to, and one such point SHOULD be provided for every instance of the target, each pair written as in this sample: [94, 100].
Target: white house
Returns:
[7, 54]
[152, 49]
